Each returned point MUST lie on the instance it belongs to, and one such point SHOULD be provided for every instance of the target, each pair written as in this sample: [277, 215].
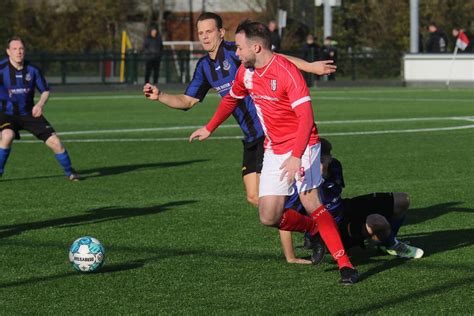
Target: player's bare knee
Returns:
[401, 203]
[6, 138]
[55, 144]
[377, 226]
[269, 221]
[269, 218]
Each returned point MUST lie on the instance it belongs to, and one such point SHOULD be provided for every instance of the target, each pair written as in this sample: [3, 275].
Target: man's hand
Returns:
[200, 134]
[37, 111]
[151, 92]
[291, 168]
[299, 261]
[322, 67]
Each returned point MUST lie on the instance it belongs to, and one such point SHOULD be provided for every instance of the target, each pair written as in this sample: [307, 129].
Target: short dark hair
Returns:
[15, 38]
[256, 30]
[211, 16]
[326, 146]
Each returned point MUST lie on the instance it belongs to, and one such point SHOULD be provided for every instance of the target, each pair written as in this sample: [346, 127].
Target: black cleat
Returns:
[349, 276]
[319, 250]
[74, 176]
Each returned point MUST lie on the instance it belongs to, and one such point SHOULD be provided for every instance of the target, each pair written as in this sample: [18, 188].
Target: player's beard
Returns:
[250, 63]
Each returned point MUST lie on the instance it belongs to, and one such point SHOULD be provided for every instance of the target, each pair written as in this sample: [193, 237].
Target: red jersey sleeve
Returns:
[224, 110]
[298, 95]
[238, 90]
[304, 112]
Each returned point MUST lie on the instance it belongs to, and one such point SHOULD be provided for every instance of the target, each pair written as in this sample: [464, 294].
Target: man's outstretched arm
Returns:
[180, 102]
[224, 110]
[322, 67]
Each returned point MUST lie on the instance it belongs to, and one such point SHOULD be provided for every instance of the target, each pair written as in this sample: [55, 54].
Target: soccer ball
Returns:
[86, 254]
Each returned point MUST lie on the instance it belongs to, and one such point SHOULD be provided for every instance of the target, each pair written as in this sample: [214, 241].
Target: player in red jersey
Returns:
[292, 149]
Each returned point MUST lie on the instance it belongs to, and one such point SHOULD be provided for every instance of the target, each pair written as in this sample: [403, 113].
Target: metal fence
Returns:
[177, 66]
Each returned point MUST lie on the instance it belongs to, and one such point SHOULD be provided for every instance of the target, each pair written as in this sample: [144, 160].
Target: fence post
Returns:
[63, 70]
[167, 66]
[102, 66]
[353, 64]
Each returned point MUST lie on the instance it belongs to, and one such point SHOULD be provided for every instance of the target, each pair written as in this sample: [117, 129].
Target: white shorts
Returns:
[270, 183]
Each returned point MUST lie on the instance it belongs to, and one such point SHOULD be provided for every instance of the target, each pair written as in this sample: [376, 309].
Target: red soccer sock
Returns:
[330, 235]
[291, 220]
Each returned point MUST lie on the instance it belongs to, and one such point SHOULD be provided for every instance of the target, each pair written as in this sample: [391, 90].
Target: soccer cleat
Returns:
[74, 176]
[348, 276]
[319, 250]
[402, 250]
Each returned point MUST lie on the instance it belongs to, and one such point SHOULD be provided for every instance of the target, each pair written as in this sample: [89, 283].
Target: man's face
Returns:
[245, 50]
[272, 26]
[16, 51]
[153, 33]
[209, 35]
[432, 28]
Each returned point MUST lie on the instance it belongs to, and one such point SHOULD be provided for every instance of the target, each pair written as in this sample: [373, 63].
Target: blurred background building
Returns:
[82, 40]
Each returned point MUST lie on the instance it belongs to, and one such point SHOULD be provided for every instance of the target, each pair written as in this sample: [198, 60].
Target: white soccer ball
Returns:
[86, 254]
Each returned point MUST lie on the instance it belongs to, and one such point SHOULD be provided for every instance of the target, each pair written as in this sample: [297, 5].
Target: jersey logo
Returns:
[28, 77]
[226, 65]
[273, 84]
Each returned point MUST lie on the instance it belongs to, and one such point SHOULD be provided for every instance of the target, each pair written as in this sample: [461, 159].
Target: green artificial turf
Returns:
[180, 236]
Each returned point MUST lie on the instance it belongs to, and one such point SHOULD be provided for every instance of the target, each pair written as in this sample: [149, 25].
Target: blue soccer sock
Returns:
[395, 225]
[4, 153]
[65, 162]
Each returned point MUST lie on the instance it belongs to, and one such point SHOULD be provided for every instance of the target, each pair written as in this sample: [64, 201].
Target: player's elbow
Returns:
[188, 103]
[252, 199]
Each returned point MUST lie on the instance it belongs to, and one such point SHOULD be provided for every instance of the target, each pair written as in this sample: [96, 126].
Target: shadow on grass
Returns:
[114, 170]
[164, 253]
[98, 215]
[422, 214]
[403, 299]
[431, 243]
[106, 269]
[108, 171]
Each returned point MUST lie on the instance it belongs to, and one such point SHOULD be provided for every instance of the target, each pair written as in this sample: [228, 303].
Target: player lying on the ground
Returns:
[217, 70]
[376, 216]
[18, 81]
[292, 149]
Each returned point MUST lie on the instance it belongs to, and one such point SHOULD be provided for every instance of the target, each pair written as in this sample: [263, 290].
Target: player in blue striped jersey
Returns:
[377, 216]
[18, 110]
[217, 70]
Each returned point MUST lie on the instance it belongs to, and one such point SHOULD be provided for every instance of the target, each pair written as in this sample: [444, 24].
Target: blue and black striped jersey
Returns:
[331, 190]
[17, 88]
[220, 74]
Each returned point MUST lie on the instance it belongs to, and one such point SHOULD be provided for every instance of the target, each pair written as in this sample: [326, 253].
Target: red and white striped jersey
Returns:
[276, 89]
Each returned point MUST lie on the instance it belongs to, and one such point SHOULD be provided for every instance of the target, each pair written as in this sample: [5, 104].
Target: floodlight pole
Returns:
[414, 27]
[327, 18]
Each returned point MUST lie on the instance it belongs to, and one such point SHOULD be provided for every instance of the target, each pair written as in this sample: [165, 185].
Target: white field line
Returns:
[191, 127]
[315, 96]
[164, 139]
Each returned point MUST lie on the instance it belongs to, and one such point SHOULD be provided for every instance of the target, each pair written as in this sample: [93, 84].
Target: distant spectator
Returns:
[437, 40]
[311, 52]
[275, 39]
[456, 32]
[329, 52]
[153, 49]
